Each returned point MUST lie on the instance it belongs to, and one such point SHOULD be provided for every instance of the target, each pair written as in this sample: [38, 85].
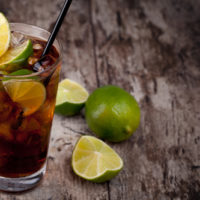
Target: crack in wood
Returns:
[165, 173]
[166, 130]
[75, 131]
[108, 68]
[195, 167]
[94, 41]
[155, 85]
[51, 158]
[108, 188]
[119, 23]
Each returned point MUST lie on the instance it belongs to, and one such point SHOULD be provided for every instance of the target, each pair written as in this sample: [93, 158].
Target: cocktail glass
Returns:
[24, 134]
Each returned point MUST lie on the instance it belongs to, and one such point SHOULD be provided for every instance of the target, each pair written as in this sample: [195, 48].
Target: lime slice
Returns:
[28, 93]
[15, 56]
[20, 72]
[4, 34]
[71, 98]
[94, 160]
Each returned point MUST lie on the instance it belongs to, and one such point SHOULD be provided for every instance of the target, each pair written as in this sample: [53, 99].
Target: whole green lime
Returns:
[112, 113]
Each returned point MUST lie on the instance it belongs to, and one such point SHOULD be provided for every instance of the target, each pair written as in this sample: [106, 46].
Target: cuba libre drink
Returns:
[25, 124]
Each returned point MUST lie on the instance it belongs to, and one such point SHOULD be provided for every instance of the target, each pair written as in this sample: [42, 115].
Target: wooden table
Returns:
[151, 49]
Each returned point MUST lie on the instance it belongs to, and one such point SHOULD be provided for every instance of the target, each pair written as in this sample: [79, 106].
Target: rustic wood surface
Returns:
[151, 48]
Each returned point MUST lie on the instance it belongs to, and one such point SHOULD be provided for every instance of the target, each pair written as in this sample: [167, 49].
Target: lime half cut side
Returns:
[71, 98]
[15, 56]
[94, 160]
[5, 34]
[29, 94]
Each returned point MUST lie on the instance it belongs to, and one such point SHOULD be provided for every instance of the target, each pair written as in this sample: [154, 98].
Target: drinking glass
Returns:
[24, 135]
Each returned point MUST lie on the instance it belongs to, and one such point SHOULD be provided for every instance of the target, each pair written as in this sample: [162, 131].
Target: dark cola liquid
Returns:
[24, 139]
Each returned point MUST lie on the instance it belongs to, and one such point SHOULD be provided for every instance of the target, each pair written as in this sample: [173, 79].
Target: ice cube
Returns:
[37, 47]
[5, 131]
[32, 60]
[44, 63]
[45, 114]
[29, 126]
[17, 39]
[5, 107]
[34, 139]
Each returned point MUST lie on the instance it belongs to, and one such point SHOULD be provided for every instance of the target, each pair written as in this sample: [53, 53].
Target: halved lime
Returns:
[94, 160]
[15, 56]
[29, 94]
[4, 34]
[71, 98]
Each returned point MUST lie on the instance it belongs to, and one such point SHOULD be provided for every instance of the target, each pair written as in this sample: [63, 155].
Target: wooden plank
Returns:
[146, 48]
[78, 64]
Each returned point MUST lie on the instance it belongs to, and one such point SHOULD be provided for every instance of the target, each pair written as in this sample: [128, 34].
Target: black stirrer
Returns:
[37, 65]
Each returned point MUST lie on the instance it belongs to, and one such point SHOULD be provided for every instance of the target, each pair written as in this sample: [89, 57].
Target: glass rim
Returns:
[49, 68]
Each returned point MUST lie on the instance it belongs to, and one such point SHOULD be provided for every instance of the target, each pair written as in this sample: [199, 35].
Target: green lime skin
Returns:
[108, 175]
[68, 109]
[112, 113]
[17, 62]
[22, 58]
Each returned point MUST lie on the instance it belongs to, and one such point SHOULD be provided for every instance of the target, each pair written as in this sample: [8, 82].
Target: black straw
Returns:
[38, 65]
[57, 26]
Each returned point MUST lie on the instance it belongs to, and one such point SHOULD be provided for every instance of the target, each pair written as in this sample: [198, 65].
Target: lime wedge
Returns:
[20, 72]
[4, 34]
[94, 160]
[71, 98]
[28, 93]
[15, 56]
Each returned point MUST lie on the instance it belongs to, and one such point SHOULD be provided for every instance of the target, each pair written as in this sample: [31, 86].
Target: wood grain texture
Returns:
[151, 49]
